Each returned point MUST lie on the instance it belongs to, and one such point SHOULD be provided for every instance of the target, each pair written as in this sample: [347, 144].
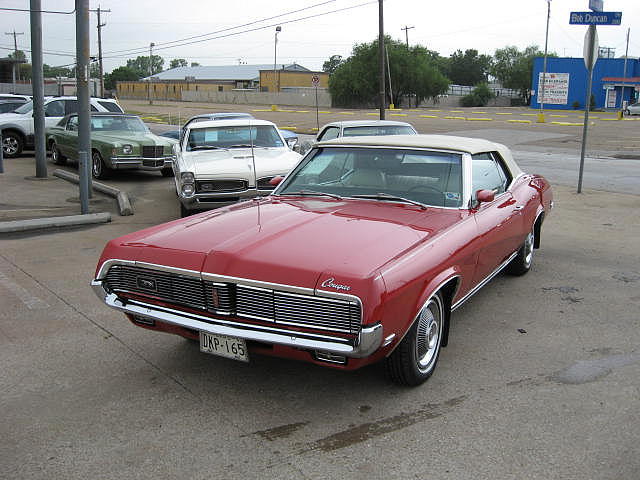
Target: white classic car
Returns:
[220, 162]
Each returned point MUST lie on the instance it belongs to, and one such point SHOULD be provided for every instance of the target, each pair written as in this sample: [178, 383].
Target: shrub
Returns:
[479, 97]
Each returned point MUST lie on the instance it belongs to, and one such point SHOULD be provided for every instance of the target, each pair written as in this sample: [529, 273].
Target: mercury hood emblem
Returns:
[330, 283]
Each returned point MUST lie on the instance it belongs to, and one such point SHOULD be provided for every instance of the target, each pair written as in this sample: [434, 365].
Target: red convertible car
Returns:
[360, 255]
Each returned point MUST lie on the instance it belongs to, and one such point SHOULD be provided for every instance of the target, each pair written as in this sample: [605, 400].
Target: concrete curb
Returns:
[42, 223]
[124, 205]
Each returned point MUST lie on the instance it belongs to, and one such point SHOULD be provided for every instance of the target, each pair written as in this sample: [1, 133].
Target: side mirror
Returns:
[275, 181]
[485, 196]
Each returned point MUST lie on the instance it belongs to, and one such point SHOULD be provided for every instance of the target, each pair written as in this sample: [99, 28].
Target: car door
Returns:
[53, 112]
[499, 222]
[68, 139]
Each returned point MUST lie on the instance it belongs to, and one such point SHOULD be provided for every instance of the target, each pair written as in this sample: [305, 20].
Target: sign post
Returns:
[593, 18]
[315, 81]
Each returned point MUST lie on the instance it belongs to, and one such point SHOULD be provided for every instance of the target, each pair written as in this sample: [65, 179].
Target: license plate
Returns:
[230, 347]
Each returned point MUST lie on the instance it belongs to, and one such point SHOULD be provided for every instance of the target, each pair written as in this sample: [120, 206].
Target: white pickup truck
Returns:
[17, 126]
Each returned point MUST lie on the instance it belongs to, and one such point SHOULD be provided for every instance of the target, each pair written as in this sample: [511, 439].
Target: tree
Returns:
[355, 82]
[120, 74]
[479, 97]
[141, 65]
[514, 68]
[177, 62]
[468, 68]
[18, 55]
[54, 72]
[330, 65]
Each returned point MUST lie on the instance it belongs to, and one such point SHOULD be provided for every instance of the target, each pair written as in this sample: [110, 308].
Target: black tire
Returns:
[415, 358]
[12, 144]
[167, 172]
[56, 157]
[184, 212]
[98, 169]
[522, 262]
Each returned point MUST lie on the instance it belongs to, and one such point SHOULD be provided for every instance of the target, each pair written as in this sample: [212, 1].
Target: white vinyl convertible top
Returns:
[438, 142]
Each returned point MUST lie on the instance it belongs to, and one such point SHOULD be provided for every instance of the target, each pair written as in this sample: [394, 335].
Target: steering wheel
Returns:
[426, 187]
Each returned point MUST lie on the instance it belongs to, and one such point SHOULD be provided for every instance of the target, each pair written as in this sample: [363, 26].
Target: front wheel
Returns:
[98, 169]
[56, 157]
[12, 144]
[523, 260]
[184, 212]
[415, 359]
[167, 172]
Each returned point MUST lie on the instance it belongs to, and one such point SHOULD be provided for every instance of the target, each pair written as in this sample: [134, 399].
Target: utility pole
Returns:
[381, 57]
[84, 114]
[544, 67]
[37, 84]
[406, 33]
[151, 45]
[15, 50]
[100, 25]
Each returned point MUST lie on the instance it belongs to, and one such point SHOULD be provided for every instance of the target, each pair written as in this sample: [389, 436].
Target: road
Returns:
[540, 380]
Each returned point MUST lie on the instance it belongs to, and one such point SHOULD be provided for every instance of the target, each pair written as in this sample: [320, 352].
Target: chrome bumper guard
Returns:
[141, 163]
[368, 341]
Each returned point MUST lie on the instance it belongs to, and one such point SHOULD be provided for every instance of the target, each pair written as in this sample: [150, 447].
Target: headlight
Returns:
[127, 149]
[187, 177]
[188, 189]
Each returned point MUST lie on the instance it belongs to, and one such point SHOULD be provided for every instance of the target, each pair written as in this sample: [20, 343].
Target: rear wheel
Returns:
[415, 359]
[522, 262]
[56, 157]
[98, 169]
[12, 144]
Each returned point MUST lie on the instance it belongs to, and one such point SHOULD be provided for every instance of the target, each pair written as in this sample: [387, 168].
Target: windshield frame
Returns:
[144, 128]
[25, 108]
[245, 143]
[465, 170]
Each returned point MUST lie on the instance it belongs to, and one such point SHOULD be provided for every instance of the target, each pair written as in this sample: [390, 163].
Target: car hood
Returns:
[122, 138]
[211, 163]
[294, 241]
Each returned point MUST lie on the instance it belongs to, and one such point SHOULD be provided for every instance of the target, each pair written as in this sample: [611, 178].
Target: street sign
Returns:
[590, 49]
[595, 18]
[595, 5]
[315, 80]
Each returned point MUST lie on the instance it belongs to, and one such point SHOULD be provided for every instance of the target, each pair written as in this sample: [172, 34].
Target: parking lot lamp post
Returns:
[151, 45]
[275, 53]
[544, 67]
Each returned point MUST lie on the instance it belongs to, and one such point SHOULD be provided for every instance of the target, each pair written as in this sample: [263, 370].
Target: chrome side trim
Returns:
[368, 341]
[483, 282]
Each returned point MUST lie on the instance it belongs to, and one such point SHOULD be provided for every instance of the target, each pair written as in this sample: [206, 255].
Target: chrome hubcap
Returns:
[428, 334]
[528, 249]
[10, 145]
[96, 165]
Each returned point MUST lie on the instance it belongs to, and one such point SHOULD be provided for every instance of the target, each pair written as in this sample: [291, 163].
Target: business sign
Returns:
[595, 18]
[556, 88]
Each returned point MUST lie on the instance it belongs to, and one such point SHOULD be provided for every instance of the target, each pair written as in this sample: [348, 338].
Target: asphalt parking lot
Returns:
[540, 380]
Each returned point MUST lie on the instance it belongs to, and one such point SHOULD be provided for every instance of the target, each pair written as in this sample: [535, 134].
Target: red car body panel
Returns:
[392, 256]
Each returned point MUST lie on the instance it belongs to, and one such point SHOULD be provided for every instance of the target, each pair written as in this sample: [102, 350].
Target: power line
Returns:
[250, 30]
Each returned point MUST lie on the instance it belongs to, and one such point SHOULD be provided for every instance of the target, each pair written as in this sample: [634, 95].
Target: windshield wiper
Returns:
[386, 196]
[312, 193]
[205, 147]
[241, 145]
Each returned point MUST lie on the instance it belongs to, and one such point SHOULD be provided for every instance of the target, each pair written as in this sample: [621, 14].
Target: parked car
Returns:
[360, 255]
[17, 127]
[290, 137]
[15, 97]
[8, 106]
[633, 109]
[118, 141]
[219, 162]
[357, 128]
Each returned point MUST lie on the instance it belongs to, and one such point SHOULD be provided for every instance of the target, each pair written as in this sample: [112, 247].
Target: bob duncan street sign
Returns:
[595, 18]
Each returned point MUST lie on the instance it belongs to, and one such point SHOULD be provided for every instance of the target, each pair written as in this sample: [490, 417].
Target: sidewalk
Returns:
[25, 197]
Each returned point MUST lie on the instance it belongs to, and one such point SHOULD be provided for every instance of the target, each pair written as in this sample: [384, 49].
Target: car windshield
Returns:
[26, 108]
[428, 177]
[378, 130]
[233, 137]
[117, 123]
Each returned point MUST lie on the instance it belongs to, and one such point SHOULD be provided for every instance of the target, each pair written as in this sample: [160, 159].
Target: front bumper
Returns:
[140, 163]
[367, 342]
[200, 201]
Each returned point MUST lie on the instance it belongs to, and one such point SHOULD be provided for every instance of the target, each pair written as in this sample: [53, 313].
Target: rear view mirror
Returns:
[485, 196]
[275, 181]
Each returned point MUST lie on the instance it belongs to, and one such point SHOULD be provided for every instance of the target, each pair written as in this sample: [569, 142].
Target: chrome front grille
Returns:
[152, 151]
[238, 300]
[203, 186]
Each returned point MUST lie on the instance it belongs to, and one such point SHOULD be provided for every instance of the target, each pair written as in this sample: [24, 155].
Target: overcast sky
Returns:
[443, 26]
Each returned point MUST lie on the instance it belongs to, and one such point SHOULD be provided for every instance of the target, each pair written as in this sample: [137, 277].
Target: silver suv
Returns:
[17, 126]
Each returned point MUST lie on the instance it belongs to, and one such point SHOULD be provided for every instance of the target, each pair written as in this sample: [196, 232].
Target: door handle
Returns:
[519, 207]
